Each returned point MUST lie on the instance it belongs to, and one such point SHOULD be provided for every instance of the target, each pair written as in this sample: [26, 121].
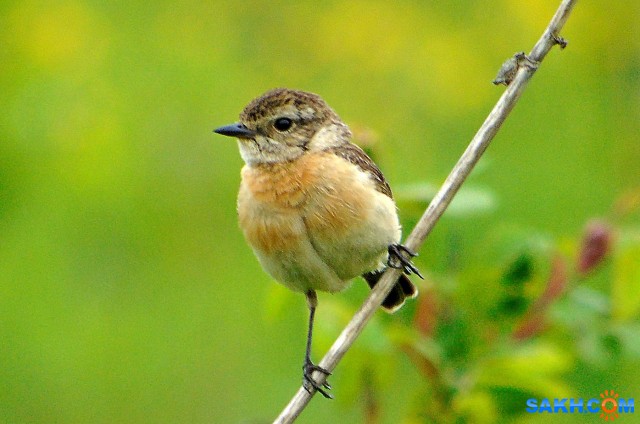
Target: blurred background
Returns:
[128, 295]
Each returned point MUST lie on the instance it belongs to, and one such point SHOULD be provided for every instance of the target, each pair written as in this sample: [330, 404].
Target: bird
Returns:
[315, 209]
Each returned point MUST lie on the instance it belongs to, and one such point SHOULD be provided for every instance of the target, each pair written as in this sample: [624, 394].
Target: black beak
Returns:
[235, 130]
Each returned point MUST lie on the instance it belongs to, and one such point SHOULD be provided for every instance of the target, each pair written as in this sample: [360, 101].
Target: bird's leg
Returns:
[399, 261]
[309, 367]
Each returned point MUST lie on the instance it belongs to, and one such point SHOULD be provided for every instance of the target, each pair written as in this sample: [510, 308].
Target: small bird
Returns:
[314, 208]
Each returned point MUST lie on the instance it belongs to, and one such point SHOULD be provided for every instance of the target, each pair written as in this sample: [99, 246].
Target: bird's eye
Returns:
[283, 124]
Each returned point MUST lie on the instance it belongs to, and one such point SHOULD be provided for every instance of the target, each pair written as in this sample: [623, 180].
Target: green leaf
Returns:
[520, 271]
[625, 292]
[515, 369]
[629, 336]
[469, 201]
[476, 407]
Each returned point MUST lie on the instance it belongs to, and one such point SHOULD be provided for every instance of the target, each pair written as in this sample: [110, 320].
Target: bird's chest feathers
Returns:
[323, 192]
[270, 204]
[280, 186]
[316, 186]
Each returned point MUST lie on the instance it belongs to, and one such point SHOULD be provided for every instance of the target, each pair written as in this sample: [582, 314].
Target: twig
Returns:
[524, 68]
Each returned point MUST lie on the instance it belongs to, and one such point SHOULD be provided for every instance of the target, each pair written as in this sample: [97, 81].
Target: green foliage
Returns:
[516, 333]
[127, 294]
[625, 290]
[469, 200]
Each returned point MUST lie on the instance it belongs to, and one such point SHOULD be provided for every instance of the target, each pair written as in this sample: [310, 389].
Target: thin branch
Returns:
[523, 70]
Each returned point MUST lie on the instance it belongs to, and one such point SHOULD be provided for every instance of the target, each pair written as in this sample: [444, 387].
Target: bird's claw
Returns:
[397, 259]
[309, 383]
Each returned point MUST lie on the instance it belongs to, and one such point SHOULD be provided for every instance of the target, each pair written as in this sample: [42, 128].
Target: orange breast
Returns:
[280, 185]
[269, 203]
[320, 190]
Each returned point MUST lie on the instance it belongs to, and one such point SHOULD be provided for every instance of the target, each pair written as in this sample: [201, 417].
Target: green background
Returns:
[127, 293]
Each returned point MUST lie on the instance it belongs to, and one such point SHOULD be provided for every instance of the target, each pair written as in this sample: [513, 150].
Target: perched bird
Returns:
[314, 208]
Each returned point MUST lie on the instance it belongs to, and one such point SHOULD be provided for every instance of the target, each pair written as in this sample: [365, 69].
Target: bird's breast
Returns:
[322, 199]
[322, 187]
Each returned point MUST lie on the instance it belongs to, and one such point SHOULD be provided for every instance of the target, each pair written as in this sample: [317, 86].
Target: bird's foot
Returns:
[398, 260]
[308, 381]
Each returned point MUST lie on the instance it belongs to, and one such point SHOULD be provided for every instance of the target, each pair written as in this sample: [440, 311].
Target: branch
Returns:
[515, 73]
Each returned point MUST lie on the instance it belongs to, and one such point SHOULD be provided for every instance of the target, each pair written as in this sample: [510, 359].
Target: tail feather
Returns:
[403, 289]
[408, 288]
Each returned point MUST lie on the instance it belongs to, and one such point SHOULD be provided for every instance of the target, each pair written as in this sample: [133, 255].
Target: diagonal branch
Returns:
[516, 73]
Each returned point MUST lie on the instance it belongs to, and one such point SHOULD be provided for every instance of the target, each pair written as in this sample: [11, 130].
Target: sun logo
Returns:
[609, 405]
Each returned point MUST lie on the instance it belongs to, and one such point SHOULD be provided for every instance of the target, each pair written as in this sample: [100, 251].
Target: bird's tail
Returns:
[402, 290]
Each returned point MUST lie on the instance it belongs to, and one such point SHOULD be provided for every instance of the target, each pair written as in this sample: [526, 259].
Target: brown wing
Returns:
[358, 157]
